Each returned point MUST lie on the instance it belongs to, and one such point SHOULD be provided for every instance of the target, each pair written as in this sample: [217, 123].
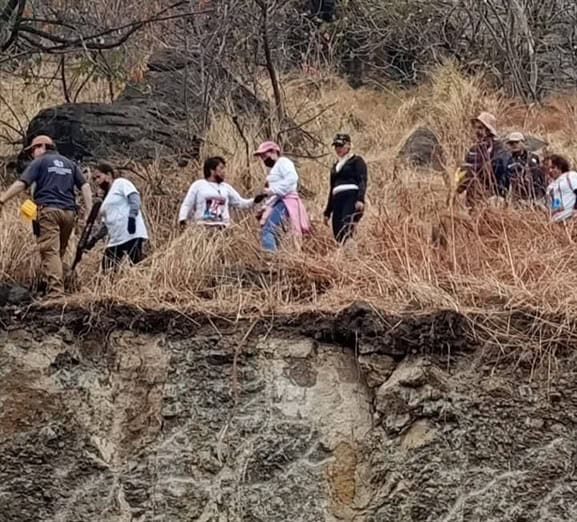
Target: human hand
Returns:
[131, 225]
[359, 206]
[259, 198]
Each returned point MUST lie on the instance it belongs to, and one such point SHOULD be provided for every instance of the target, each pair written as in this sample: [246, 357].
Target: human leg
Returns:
[271, 228]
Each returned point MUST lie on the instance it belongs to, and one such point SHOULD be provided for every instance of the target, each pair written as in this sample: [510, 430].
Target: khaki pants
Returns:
[55, 226]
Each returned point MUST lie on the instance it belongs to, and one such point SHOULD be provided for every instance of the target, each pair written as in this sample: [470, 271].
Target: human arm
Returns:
[236, 200]
[13, 190]
[86, 192]
[189, 203]
[362, 180]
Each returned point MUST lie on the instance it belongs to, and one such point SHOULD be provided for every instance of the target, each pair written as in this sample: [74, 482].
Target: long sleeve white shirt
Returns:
[282, 178]
[208, 202]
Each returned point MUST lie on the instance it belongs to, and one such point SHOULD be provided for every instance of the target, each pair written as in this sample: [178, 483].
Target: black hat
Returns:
[341, 139]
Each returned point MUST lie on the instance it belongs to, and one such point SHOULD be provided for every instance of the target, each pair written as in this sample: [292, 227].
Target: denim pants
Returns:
[272, 227]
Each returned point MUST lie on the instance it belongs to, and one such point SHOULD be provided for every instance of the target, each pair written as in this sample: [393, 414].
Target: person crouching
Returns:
[122, 220]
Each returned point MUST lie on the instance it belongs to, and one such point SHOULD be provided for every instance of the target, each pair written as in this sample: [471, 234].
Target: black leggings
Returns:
[345, 215]
[114, 255]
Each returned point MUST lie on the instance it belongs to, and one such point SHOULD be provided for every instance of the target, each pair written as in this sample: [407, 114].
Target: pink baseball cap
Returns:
[265, 147]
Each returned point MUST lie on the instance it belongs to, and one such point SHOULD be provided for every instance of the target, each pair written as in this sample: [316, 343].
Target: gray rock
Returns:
[422, 149]
[14, 295]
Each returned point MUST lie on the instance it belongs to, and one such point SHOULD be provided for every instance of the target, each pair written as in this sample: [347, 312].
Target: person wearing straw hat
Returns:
[348, 185]
[55, 179]
[526, 176]
[485, 166]
[284, 203]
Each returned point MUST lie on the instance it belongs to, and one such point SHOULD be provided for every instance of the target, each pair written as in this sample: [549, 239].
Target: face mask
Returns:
[269, 162]
[105, 185]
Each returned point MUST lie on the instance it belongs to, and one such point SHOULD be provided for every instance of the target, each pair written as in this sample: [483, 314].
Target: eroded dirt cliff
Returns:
[119, 415]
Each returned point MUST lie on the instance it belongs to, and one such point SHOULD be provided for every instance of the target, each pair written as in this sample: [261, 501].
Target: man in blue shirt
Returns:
[55, 179]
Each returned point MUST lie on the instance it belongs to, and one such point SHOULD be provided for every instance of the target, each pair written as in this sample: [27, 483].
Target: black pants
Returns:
[345, 216]
[114, 255]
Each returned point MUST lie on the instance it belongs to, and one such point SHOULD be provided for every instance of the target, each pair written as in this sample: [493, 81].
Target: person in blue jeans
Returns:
[281, 186]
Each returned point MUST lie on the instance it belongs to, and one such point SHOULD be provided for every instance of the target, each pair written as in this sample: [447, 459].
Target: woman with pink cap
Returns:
[284, 203]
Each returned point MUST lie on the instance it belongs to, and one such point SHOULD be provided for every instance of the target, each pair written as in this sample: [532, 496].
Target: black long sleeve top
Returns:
[353, 172]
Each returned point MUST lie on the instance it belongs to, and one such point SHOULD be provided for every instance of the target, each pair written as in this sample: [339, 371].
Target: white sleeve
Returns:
[236, 200]
[572, 179]
[189, 203]
[288, 178]
[127, 187]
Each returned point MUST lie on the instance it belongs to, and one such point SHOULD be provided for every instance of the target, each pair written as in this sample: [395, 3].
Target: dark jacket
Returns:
[486, 165]
[526, 176]
[353, 172]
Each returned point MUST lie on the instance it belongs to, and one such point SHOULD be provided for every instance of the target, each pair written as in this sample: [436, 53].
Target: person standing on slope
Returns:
[208, 200]
[55, 178]
[122, 220]
[284, 203]
[347, 189]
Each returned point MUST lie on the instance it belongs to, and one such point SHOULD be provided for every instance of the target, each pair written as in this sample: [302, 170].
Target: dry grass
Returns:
[494, 260]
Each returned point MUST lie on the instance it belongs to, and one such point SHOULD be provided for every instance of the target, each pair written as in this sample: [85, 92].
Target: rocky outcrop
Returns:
[422, 149]
[184, 418]
[138, 130]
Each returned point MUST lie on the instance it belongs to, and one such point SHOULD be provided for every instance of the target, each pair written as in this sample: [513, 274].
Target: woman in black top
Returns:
[348, 186]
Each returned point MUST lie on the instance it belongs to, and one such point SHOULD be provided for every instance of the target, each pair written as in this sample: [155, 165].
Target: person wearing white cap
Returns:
[485, 163]
[526, 177]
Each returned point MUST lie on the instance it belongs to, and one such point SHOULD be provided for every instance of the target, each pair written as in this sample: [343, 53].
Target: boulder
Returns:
[14, 295]
[137, 129]
[422, 149]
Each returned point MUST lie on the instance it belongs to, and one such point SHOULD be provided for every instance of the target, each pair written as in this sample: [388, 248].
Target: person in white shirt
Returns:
[284, 203]
[121, 217]
[208, 200]
[562, 191]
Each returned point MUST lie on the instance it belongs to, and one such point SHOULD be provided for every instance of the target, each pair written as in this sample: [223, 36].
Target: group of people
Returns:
[509, 170]
[491, 168]
[53, 179]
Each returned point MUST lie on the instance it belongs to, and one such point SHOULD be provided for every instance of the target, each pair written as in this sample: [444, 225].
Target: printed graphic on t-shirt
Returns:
[214, 209]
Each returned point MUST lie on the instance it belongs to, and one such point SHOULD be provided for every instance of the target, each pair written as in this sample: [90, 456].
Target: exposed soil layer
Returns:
[117, 414]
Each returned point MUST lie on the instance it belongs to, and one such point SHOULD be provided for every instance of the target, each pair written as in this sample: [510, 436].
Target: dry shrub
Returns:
[413, 251]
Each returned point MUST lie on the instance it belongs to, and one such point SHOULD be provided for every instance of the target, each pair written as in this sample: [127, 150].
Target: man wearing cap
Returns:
[486, 162]
[55, 178]
[348, 185]
[526, 177]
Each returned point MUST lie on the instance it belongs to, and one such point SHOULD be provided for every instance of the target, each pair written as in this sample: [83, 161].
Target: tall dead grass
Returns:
[414, 253]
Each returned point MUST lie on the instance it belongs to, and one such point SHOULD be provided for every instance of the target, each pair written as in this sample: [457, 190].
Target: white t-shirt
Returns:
[114, 214]
[283, 178]
[561, 197]
[208, 202]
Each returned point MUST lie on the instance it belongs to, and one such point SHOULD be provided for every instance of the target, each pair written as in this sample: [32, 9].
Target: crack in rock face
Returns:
[120, 426]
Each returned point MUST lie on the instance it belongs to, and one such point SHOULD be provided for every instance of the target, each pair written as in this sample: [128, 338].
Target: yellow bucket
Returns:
[29, 210]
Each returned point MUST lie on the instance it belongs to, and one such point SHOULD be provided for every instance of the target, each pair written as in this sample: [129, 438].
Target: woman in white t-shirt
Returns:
[208, 200]
[562, 191]
[121, 216]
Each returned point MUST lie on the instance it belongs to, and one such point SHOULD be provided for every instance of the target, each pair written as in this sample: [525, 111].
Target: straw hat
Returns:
[489, 121]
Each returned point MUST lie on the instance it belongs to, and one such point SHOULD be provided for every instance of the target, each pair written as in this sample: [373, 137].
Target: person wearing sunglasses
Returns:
[55, 179]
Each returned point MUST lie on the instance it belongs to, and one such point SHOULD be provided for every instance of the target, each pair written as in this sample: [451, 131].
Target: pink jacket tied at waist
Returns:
[299, 219]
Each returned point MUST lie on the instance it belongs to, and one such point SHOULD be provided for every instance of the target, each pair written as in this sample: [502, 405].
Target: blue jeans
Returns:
[270, 230]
